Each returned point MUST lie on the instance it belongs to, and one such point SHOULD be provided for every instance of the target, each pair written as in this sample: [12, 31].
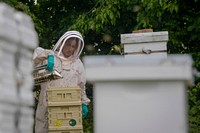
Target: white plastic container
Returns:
[144, 95]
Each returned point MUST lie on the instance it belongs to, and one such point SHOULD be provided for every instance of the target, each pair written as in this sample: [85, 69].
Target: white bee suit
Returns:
[71, 69]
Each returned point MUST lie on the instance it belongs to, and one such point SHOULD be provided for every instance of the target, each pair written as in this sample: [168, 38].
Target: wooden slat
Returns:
[144, 37]
[156, 46]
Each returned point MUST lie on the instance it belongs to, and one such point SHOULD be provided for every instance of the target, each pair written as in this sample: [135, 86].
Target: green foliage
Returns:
[180, 18]
[88, 121]
[153, 12]
[103, 13]
[104, 23]
[194, 109]
[9, 2]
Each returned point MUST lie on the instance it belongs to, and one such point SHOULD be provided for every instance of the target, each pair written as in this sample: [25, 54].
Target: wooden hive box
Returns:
[64, 110]
[145, 44]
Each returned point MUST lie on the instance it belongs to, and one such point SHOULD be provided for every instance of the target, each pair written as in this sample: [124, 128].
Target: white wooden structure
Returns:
[144, 95]
[145, 44]
[18, 39]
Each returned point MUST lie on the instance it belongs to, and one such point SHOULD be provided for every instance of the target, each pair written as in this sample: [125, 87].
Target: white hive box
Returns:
[143, 95]
[8, 117]
[26, 93]
[25, 78]
[28, 35]
[8, 25]
[24, 68]
[18, 38]
[8, 90]
[145, 44]
[25, 64]
[9, 40]
[26, 120]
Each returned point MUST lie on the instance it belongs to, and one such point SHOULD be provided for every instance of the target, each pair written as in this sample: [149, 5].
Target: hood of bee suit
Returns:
[61, 42]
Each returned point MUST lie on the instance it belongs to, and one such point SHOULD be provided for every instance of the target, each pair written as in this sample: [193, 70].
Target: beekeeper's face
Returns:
[69, 47]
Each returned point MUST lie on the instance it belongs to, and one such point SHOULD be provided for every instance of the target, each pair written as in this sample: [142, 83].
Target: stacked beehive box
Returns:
[18, 39]
[64, 110]
[151, 44]
[28, 41]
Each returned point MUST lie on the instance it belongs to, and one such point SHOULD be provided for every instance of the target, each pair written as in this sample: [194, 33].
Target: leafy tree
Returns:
[104, 23]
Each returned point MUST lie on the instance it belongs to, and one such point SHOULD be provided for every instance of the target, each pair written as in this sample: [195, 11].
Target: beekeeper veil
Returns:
[61, 42]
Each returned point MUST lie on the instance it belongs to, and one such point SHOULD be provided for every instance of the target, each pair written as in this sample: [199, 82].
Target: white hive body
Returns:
[138, 95]
[18, 39]
[145, 44]
[8, 117]
[24, 68]
[26, 120]
[9, 38]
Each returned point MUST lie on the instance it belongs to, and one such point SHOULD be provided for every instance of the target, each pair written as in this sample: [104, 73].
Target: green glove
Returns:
[84, 110]
[50, 62]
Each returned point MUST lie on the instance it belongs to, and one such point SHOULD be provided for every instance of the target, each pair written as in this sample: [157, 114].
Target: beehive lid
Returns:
[118, 68]
[144, 37]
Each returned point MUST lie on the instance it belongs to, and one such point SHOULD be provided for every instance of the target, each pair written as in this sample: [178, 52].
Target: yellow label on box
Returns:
[57, 123]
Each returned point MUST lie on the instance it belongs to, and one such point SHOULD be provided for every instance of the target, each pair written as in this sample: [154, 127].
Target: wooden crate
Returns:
[64, 94]
[63, 117]
[66, 131]
[64, 110]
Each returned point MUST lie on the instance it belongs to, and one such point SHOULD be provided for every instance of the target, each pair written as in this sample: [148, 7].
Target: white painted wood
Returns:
[28, 35]
[8, 26]
[156, 46]
[26, 120]
[18, 39]
[7, 117]
[140, 107]
[107, 68]
[147, 43]
[140, 95]
[144, 37]
[157, 55]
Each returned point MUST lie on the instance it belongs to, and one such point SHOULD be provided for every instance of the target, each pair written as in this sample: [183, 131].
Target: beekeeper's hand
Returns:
[84, 110]
[50, 62]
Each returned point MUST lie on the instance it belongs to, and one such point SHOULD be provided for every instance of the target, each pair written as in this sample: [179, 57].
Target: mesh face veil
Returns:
[61, 42]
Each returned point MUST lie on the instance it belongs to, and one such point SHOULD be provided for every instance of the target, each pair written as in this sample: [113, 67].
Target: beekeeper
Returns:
[66, 61]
